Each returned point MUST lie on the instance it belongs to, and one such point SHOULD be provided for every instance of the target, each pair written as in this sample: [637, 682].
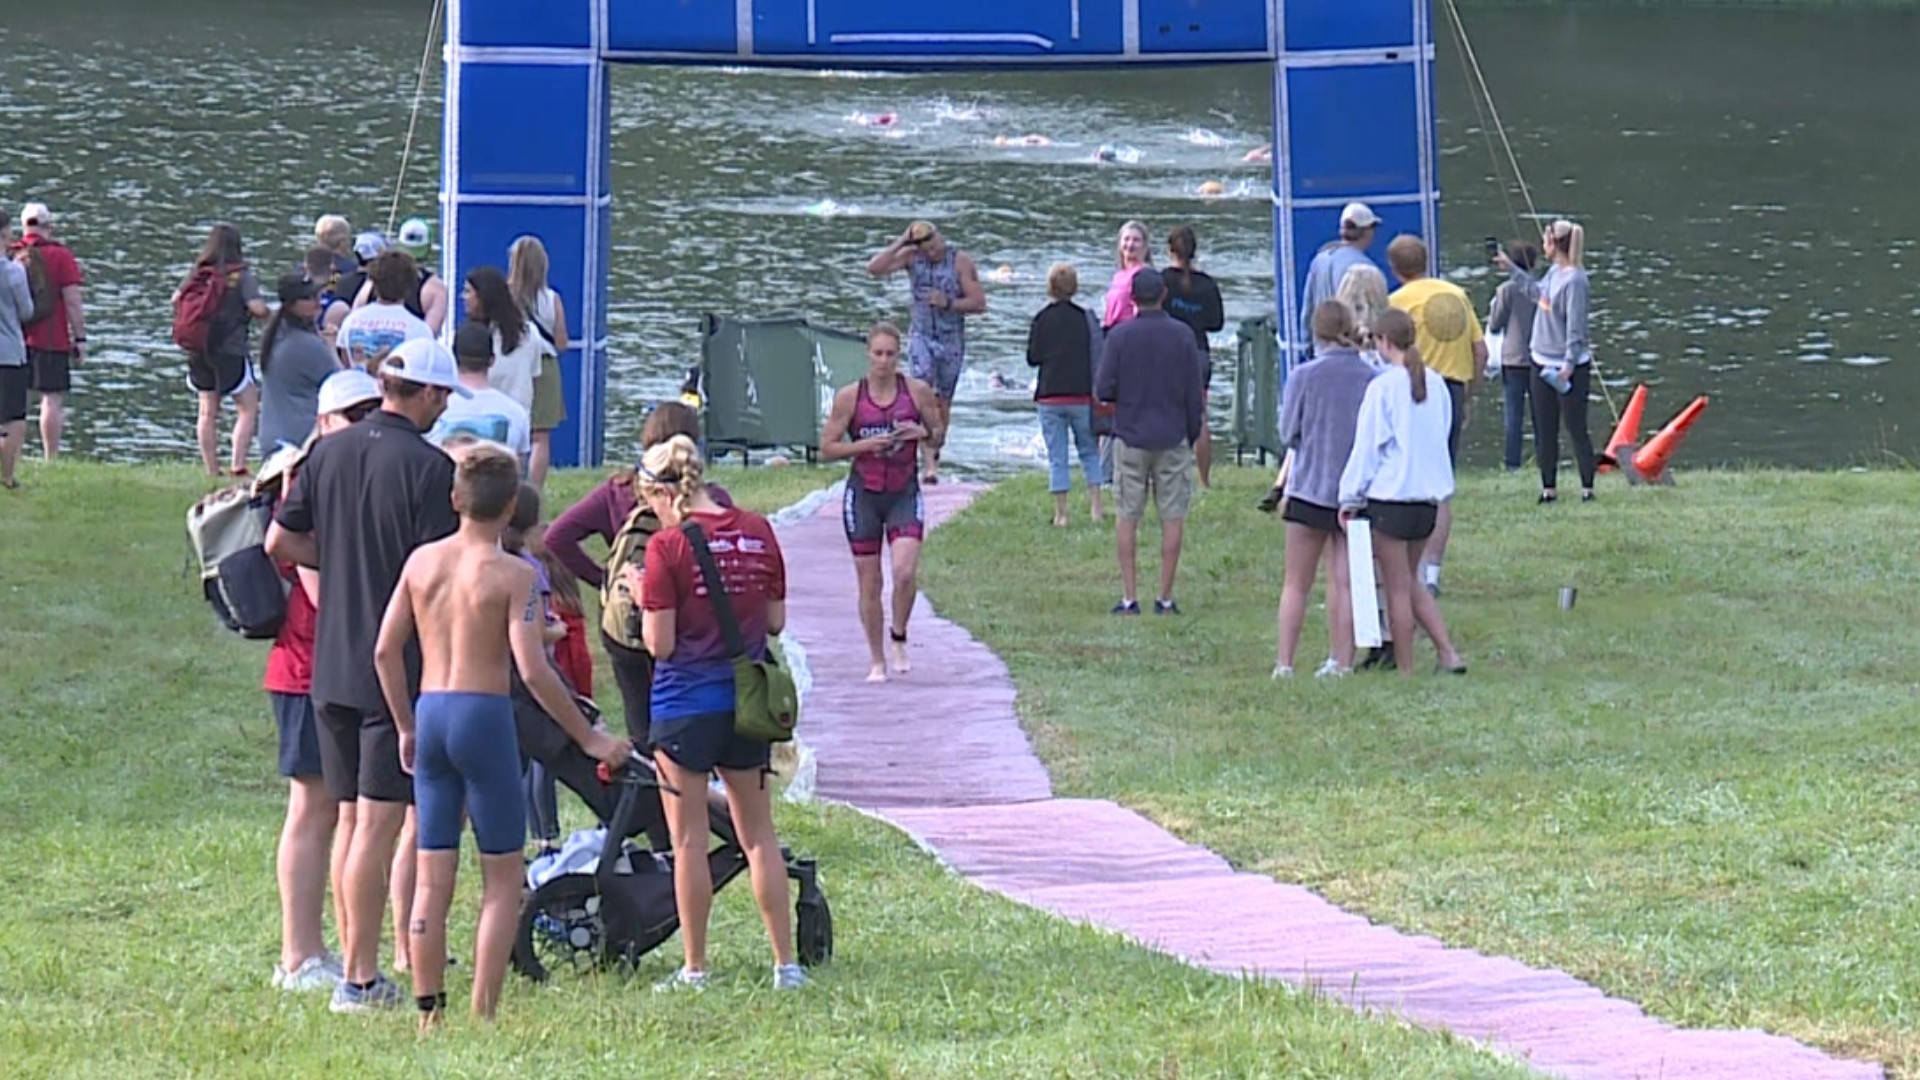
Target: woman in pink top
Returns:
[1134, 253]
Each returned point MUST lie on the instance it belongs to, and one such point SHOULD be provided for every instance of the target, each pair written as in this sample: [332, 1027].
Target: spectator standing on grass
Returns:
[488, 413]
[16, 376]
[57, 343]
[1562, 354]
[1318, 413]
[1511, 316]
[315, 818]
[366, 499]
[378, 326]
[527, 272]
[335, 233]
[692, 732]
[426, 296]
[1194, 298]
[1064, 342]
[520, 353]
[295, 361]
[1397, 477]
[1358, 225]
[1152, 372]
[1454, 347]
[605, 512]
[224, 368]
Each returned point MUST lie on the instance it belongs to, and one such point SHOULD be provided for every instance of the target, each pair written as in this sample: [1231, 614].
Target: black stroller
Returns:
[624, 907]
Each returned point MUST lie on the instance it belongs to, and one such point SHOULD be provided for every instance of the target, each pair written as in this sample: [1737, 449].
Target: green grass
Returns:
[138, 814]
[1698, 789]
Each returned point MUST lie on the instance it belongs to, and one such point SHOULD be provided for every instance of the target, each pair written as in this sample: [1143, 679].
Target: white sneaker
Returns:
[682, 980]
[790, 977]
[1331, 670]
[1282, 671]
[314, 973]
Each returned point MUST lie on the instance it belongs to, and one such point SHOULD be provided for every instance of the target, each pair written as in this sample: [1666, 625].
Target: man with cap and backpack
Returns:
[367, 497]
[56, 327]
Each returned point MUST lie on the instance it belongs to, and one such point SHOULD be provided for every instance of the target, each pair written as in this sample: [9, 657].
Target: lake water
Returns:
[1745, 177]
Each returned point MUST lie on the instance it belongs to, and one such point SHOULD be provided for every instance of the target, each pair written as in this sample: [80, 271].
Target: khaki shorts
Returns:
[1169, 473]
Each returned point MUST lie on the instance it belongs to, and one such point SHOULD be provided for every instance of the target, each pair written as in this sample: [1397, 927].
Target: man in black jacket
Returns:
[1152, 372]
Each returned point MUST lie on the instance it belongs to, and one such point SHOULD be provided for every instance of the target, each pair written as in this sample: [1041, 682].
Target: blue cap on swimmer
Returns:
[1148, 286]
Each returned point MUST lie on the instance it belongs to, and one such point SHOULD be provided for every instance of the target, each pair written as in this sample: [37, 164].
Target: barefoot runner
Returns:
[471, 604]
[880, 423]
[946, 289]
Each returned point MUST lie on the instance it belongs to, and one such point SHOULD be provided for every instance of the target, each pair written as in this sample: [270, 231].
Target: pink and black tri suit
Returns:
[883, 493]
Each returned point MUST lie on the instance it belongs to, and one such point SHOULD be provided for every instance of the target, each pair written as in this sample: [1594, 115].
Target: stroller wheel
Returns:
[814, 929]
[560, 929]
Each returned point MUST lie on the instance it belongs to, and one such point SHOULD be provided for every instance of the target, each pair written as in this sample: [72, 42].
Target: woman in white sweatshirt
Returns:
[1396, 477]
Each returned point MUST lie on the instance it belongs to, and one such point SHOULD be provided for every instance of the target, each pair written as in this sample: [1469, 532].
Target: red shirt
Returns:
[52, 334]
[290, 661]
[698, 677]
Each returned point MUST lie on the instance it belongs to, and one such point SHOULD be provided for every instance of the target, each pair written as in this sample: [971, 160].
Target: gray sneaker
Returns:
[682, 980]
[314, 973]
[382, 995]
[790, 977]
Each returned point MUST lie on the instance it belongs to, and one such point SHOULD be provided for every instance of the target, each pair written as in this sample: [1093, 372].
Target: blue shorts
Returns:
[299, 735]
[467, 754]
[706, 742]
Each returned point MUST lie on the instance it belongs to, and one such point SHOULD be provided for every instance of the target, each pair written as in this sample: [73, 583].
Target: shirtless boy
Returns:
[471, 604]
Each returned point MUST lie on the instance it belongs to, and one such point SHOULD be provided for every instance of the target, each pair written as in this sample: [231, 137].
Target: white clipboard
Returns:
[1366, 610]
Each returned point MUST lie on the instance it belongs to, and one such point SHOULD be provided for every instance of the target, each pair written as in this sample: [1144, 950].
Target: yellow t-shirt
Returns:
[1445, 327]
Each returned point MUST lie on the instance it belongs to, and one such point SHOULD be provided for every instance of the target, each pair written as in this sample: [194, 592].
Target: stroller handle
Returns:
[630, 775]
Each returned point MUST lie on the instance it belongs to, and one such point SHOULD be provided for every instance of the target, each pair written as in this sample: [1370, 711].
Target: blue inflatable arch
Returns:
[526, 147]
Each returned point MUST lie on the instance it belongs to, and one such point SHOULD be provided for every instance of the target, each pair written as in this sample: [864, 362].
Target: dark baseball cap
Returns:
[294, 287]
[1148, 286]
[473, 340]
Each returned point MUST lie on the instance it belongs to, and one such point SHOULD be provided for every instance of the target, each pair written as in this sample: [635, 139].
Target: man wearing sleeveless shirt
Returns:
[880, 423]
[946, 289]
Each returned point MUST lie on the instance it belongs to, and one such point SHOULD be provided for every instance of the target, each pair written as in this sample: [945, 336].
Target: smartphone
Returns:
[1493, 247]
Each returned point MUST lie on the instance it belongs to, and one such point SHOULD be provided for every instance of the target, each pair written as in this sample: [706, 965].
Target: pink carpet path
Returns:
[940, 753]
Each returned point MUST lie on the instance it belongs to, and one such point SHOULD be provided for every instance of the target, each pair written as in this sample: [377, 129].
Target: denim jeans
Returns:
[1056, 423]
[1518, 383]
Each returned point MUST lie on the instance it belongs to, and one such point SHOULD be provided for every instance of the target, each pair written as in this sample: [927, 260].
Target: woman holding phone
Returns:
[1562, 354]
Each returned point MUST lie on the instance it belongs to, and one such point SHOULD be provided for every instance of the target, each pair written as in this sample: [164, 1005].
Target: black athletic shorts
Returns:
[52, 370]
[15, 380]
[1403, 520]
[360, 755]
[223, 375]
[1458, 392]
[1314, 516]
[871, 516]
[707, 742]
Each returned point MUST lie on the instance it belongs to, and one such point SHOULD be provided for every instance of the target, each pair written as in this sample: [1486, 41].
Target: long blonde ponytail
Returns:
[676, 466]
[1570, 240]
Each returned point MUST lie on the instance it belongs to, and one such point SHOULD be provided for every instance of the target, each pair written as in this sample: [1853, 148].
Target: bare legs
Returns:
[866, 569]
[246, 421]
[906, 572]
[944, 407]
[13, 439]
[368, 859]
[1302, 560]
[541, 459]
[207, 428]
[751, 806]
[1408, 603]
[1203, 456]
[53, 424]
[301, 866]
[906, 587]
[1127, 543]
[401, 886]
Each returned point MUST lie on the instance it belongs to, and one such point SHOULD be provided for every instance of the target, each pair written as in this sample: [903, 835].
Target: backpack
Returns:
[196, 308]
[46, 295]
[238, 579]
[619, 607]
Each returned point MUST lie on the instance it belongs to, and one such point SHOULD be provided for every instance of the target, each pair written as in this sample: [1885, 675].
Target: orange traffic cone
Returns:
[1649, 466]
[1627, 432]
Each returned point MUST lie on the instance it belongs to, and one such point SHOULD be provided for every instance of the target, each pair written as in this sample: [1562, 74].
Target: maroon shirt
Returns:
[600, 513]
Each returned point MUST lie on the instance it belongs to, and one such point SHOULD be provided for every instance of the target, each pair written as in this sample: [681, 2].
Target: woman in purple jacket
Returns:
[602, 513]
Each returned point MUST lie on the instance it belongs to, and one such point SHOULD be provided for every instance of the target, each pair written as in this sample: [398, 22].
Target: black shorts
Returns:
[223, 375]
[871, 516]
[360, 755]
[15, 380]
[707, 742]
[52, 370]
[299, 735]
[1458, 392]
[1410, 521]
[1314, 516]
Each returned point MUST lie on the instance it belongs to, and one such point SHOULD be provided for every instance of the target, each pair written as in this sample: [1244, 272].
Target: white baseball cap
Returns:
[35, 213]
[415, 236]
[368, 246]
[1359, 213]
[427, 362]
[344, 389]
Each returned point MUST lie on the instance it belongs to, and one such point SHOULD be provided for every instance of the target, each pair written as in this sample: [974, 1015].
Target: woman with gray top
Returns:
[1512, 317]
[1318, 414]
[1562, 355]
[294, 361]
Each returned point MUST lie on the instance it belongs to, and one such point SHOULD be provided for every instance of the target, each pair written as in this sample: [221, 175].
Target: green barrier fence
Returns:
[768, 383]
[1256, 391]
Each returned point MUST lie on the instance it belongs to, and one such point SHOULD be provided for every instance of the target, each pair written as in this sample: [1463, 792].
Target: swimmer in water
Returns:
[1212, 189]
[1022, 141]
[1260, 154]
